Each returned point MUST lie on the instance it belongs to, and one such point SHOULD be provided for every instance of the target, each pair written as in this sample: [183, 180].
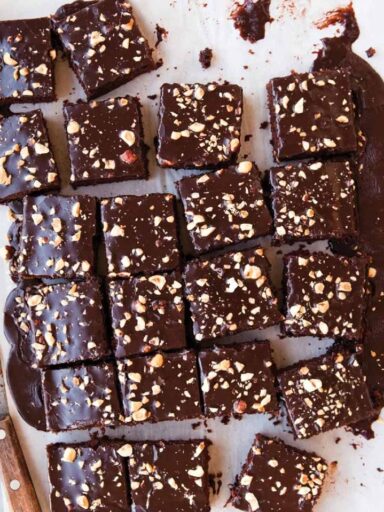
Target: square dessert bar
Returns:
[314, 201]
[66, 323]
[26, 61]
[104, 44]
[26, 161]
[238, 379]
[325, 295]
[147, 313]
[325, 393]
[140, 234]
[200, 125]
[168, 476]
[225, 207]
[277, 477]
[230, 294]
[160, 387]
[80, 397]
[105, 141]
[312, 114]
[88, 476]
[57, 237]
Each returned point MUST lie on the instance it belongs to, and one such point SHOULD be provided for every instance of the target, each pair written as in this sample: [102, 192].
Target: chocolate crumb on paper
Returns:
[250, 18]
[205, 58]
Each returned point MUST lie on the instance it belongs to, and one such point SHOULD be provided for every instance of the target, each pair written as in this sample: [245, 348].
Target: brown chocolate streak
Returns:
[368, 89]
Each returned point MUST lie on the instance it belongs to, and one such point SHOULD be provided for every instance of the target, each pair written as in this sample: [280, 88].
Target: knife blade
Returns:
[16, 480]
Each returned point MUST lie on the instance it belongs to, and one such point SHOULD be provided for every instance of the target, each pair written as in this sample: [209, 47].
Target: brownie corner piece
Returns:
[80, 397]
[325, 393]
[225, 207]
[64, 227]
[88, 476]
[199, 125]
[160, 387]
[325, 295]
[140, 234]
[277, 477]
[312, 114]
[27, 165]
[147, 314]
[106, 141]
[238, 379]
[104, 44]
[158, 484]
[27, 61]
[313, 201]
[230, 294]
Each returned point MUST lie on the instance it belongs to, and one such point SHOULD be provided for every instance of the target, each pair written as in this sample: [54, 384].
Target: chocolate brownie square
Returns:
[140, 234]
[238, 379]
[160, 387]
[200, 125]
[170, 476]
[27, 165]
[225, 207]
[312, 114]
[325, 393]
[325, 295]
[147, 314]
[88, 476]
[104, 44]
[277, 477]
[65, 323]
[105, 141]
[314, 201]
[230, 294]
[80, 397]
[26, 61]
[57, 237]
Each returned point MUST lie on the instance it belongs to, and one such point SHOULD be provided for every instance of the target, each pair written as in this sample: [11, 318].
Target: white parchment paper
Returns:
[356, 485]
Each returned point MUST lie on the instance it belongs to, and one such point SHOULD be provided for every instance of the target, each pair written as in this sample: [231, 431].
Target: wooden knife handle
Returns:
[16, 479]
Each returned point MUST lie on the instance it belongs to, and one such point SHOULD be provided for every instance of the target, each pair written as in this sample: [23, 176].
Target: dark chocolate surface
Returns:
[26, 161]
[312, 114]
[26, 391]
[325, 393]
[277, 477]
[199, 125]
[238, 379]
[26, 56]
[140, 234]
[80, 397]
[160, 387]
[88, 477]
[105, 141]
[104, 44]
[147, 314]
[230, 293]
[170, 476]
[225, 207]
[313, 202]
[325, 295]
[64, 323]
[250, 18]
[57, 237]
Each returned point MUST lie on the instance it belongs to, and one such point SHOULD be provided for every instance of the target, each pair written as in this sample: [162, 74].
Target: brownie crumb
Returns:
[264, 125]
[161, 34]
[152, 96]
[250, 18]
[205, 58]
[248, 137]
[370, 52]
